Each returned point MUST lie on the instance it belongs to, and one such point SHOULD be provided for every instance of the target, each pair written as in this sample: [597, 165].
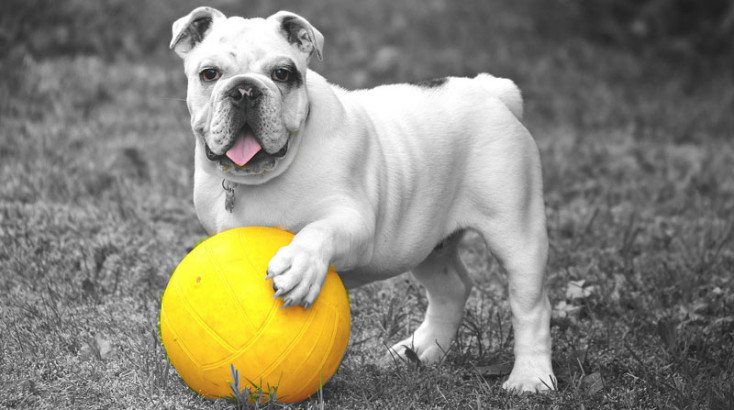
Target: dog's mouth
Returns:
[246, 155]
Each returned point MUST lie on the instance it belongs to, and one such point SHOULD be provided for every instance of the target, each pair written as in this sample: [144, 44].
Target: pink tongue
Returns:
[244, 149]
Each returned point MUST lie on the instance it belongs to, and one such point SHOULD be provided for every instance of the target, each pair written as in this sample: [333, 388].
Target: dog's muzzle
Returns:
[246, 134]
[260, 155]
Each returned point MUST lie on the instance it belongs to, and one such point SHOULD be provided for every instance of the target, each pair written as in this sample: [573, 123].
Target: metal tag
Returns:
[229, 198]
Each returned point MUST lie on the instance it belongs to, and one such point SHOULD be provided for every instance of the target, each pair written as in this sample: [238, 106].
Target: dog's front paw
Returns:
[297, 274]
[530, 375]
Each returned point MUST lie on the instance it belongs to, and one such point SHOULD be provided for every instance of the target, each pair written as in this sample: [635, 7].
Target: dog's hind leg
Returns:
[514, 227]
[522, 251]
[447, 285]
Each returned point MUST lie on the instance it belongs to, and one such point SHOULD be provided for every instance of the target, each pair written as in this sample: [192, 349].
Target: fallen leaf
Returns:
[565, 310]
[700, 306]
[103, 347]
[576, 289]
[725, 319]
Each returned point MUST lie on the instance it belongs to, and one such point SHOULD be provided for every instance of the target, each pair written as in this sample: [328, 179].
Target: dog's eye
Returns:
[209, 74]
[281, 74]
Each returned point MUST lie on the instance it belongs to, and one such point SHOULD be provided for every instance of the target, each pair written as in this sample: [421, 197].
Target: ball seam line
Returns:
[235, 352]
[176, 337]
[228, 288]
[292, 345]
[255, 337]
[202, 324]
[334, 329]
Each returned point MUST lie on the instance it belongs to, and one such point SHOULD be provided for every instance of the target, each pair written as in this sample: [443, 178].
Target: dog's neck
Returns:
[324, 100]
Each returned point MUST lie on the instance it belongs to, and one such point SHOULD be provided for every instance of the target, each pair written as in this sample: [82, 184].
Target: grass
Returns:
[96, 211]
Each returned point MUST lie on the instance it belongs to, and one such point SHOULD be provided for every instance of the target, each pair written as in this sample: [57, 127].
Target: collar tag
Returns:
[228, 186]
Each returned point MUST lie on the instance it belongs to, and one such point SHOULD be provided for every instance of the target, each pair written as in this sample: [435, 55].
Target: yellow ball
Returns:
[218, 311]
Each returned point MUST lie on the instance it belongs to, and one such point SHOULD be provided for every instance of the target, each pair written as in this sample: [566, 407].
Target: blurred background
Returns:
[552, 47]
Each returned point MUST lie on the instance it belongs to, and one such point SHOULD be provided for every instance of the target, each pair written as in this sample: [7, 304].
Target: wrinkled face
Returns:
[247, 97]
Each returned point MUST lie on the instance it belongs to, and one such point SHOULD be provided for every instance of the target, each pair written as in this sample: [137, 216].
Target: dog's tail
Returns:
[505, 90]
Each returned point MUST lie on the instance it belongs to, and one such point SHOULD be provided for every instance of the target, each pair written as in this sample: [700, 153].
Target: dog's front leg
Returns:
[298, 270]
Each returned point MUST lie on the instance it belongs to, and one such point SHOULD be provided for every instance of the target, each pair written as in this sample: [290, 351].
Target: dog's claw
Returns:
[300, 282]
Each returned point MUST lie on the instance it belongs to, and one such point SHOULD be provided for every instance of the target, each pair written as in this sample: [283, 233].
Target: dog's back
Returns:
[502, 89]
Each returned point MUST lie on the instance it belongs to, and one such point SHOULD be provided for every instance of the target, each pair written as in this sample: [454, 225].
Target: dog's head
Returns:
[246, 88]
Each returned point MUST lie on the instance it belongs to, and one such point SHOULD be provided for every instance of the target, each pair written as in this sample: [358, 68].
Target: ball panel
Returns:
[210, 350]
[338, 339]
[249, 302]
[261, 350]
[209, 302]
[309, 368]
[181, 319]
[215, 320]
[201, 381]
[283, 362]
[252, 294]
[261, 244]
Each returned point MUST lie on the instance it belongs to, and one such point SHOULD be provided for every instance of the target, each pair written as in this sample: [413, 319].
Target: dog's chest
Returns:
[224, 206]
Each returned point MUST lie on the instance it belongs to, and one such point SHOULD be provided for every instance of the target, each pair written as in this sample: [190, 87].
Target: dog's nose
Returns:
[244, 94]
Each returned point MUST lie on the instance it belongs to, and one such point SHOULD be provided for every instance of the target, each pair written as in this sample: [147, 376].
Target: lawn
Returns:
[96, 174]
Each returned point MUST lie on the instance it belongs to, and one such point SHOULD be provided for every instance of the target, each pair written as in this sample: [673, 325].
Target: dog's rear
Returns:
[505, 90]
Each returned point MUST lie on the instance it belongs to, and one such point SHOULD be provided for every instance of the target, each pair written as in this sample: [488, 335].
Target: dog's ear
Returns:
[190, 30]
[300, 33]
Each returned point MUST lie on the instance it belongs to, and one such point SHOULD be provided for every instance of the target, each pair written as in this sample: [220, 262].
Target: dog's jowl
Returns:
[370, 180]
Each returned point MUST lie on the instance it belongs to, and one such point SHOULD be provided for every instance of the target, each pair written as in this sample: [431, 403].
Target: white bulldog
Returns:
[376, 182]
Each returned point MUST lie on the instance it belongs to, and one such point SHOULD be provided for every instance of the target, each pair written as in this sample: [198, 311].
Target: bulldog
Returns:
[376, 182]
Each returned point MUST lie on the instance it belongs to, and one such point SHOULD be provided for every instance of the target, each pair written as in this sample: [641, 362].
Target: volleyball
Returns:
[218, 311]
